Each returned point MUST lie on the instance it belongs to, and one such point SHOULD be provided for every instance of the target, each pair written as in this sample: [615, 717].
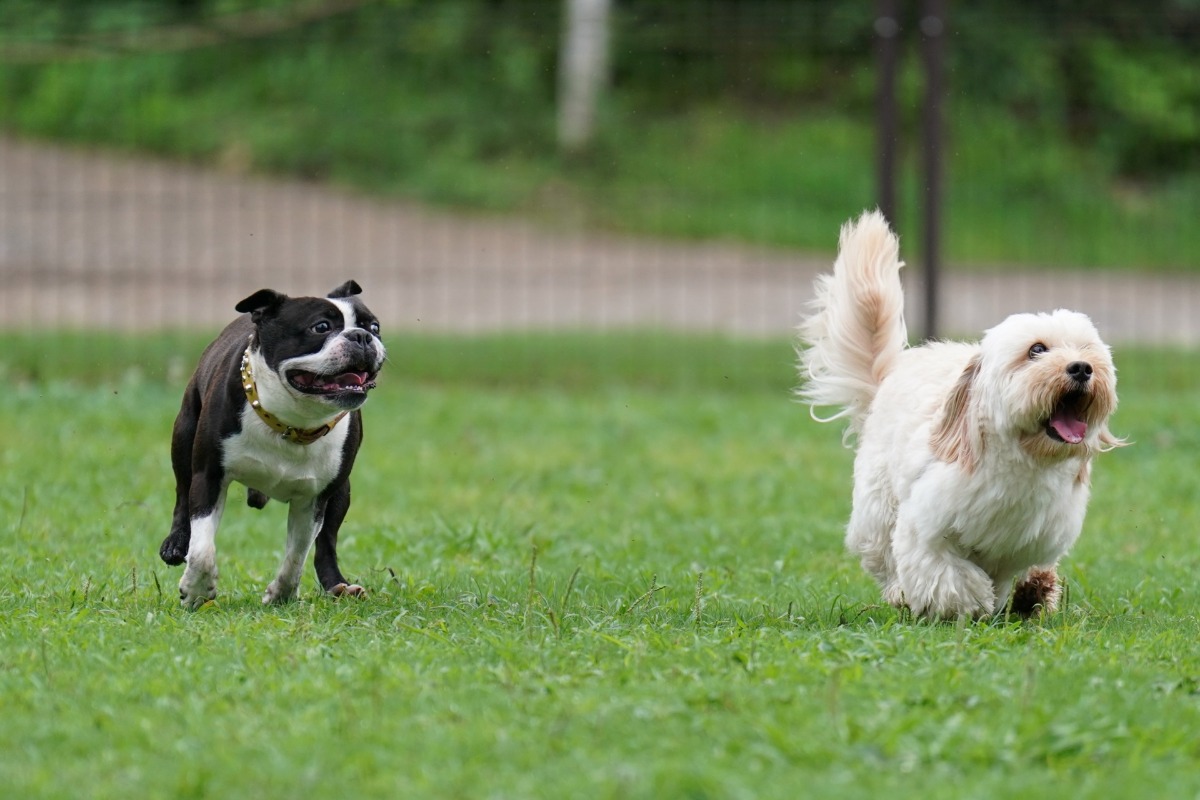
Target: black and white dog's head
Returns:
[314, 355]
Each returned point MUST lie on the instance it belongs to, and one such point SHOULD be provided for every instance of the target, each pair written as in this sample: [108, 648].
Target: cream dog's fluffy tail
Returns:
[856, 330]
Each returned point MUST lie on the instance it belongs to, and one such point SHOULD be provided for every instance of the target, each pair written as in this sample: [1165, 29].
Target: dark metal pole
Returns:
[933, 30]
[887, 116]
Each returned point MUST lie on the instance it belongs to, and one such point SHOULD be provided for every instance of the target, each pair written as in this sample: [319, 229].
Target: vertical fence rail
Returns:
[933, 27]
[887, 115]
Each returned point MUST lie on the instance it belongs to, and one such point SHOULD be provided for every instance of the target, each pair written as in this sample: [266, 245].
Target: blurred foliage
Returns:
[742, 118]
[405, 77]
[1112, 74]
[1122, 77]
[1119, 76]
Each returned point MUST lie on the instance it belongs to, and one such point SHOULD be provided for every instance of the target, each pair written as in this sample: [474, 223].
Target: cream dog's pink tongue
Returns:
[1068, 427]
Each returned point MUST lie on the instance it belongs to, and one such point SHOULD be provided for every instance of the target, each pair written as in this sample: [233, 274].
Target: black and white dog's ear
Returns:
[347, 289]
[260, 302]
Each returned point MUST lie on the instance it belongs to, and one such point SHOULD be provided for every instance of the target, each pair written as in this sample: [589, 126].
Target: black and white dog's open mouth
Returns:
[312, 383]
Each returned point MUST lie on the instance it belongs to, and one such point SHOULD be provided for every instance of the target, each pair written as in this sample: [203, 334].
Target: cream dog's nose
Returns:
[1080, 371]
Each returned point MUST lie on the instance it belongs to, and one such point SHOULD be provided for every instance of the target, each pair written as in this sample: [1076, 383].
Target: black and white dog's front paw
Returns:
[279, 592]
[197, 586]
[174, 549]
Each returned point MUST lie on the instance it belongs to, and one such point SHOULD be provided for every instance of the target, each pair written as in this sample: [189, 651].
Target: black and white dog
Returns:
[274, 405]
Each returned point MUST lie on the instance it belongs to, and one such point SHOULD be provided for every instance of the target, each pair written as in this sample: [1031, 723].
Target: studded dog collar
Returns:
[295, 435]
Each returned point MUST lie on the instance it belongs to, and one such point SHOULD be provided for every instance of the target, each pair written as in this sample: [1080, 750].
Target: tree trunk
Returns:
[582, 71]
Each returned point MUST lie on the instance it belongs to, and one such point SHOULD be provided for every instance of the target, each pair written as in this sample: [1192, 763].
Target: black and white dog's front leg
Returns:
[199, 582]
[326, 561]
[304, 520]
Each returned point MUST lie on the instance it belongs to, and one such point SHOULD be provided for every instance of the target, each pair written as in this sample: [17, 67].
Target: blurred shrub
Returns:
[362, 97]
[478, 76]
[1146, 106]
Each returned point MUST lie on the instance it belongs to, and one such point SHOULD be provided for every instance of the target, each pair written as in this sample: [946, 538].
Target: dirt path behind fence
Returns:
[100, 241]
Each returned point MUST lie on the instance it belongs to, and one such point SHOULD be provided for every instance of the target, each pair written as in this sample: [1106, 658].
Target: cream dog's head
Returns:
[1042, 382]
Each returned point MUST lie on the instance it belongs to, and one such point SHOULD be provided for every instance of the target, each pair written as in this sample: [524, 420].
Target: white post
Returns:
[582, 70]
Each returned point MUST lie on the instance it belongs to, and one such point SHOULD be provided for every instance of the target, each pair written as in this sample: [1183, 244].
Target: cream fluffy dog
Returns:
[973, 460]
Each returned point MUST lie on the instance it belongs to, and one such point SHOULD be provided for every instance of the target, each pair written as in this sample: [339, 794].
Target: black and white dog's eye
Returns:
[321, 327]
[1037, 350]
[374, 328]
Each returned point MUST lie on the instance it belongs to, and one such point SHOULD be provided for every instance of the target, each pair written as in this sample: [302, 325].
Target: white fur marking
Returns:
[347, 308]
[199, 582]
[261, 458]
[302, 532]
[288, 405]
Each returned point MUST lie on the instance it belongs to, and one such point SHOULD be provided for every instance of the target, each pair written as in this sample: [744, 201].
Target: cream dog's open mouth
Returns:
[1067, 423]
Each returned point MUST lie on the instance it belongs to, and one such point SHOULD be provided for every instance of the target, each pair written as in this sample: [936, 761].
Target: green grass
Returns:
[625, 582]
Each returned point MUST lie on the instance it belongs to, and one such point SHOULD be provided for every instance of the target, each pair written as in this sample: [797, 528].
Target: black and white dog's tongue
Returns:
[346, 380]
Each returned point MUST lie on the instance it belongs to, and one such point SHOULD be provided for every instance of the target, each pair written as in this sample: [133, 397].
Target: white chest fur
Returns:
[261, 459]
[1005, 516]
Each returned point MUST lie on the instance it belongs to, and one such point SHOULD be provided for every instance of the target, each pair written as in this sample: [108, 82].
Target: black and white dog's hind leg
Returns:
[325, 561]
[174, 547]
[200, 490]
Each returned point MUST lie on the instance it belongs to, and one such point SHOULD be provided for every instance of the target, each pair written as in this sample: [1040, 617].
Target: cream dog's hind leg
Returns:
[869, 534]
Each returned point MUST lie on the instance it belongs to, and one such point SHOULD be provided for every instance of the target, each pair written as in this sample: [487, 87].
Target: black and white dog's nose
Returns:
[1079, 371]
[363, 338]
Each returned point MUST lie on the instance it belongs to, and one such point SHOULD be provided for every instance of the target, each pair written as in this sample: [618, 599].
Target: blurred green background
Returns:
[1073, 129]
[605, 561]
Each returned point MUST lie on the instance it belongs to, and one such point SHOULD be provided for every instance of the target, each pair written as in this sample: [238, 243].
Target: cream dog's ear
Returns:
[956, 436]
[1110, 441]
[1106, 441]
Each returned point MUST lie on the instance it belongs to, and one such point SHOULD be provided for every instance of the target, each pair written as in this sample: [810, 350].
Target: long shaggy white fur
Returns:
[859, 328]
[974, 460]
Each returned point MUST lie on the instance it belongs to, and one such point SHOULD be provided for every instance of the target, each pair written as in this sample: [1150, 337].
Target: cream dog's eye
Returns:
[1037, 350]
